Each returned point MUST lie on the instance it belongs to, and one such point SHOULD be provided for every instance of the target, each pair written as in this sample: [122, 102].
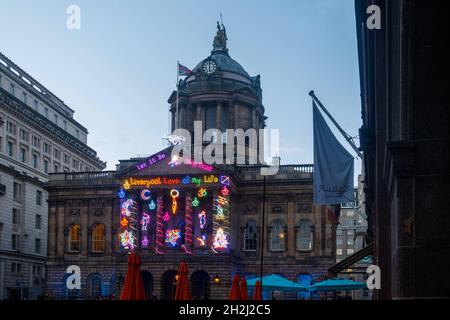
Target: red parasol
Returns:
[182, 292]
[257, 294]
[243, 289]
[234, 294]
[134, 286]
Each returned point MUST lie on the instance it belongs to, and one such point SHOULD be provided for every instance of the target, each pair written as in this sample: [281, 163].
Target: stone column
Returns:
[236, 115]
[60, 229]
[108, 226]
[84, 227]
[291, 227]
[219, 115]
[52, 229]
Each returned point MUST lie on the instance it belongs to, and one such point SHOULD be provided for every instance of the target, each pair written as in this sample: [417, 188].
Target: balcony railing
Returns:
[99, 177]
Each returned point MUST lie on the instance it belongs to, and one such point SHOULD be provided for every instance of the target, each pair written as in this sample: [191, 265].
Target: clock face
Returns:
[209, 66]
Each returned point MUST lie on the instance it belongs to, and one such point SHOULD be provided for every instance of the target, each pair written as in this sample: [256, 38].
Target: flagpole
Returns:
[178, 75]
[345, 134]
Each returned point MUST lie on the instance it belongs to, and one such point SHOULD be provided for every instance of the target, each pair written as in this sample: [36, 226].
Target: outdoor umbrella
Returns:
[182, 292]
[274, 282]
[134, 287]
[234, 294]
[243, 289]
[257, 294]
[337, 284]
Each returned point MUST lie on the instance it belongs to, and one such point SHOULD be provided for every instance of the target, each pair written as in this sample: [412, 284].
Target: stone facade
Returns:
[38, 135]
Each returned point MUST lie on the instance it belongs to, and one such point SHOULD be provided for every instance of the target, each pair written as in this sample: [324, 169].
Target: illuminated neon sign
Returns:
[202, 219]
[145, 221]
[174, 193]
[172, 236]
[172, 181]
[220, 239]
[145, 194]
[151, 161]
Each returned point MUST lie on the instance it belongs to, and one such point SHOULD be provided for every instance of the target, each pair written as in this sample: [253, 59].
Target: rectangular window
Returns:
[10, 147]
[35, 104]
[46, 112]
[56, 119]
[11, 128]
[65, 125]
[38, 221]
[17, 191]
[16, 267]
[12, 88]
[339, 242]
[35, 162]
[37, 245]
[350, 251]
[16, 216]
[55, 168]
[47, 148]
[38, 197]
[24, 97]
[15, 242]
[36, 142]
[24, 135]
[66, 159]
[339, 252]
[23, 154]
[56, 153]
[46, 166]
[350, 242]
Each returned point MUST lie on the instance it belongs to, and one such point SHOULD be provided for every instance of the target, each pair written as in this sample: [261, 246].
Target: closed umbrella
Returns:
[133, 288]
[257, 292]
[243, 289]
[234, 294]
[182, 292]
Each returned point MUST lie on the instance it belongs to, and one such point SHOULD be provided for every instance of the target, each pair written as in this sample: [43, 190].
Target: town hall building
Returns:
[209, 216]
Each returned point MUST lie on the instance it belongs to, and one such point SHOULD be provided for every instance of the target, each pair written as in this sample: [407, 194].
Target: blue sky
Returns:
[118, 70]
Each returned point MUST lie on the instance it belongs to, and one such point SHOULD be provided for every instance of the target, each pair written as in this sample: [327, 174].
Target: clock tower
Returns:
[219, 93]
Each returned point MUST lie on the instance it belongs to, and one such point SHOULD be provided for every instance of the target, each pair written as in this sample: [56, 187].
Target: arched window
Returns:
[200, 285]
[74, 238]
[98, 238]
[277, 236]
[304, 235]
[169, 285]
[94, 286]
[250, 236]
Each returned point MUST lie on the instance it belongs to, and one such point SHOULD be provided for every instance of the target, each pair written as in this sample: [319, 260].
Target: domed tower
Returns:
[219, 93]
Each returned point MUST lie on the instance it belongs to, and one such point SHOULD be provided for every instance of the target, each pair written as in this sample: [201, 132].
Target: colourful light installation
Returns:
[166, 216]
[188, 225]
[121, 194]
[152, 205]
[127, 207]
[145, 221]
[202, 219]
[220, 239]
[202, 240]
[195, 202]
[225, 191]
[145, 241]
[124, 222]
[172, 236]
[128, 216]
[174, 193]
[127, 239]
[159, 227]
[145, 194]
[202, 193]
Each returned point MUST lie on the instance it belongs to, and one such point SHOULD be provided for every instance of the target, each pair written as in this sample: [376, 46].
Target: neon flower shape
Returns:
[145, 221]
[222, 200]
[126, 185]
[202, 192]
[202, 219]
[121, 194]
[127, 239]
[202, 240]
[225, 191]
[126, 207]
[124, 222]
[219, 215]
[145, 194]
[145, 241]
[152, 205]
[174, 193]
[195, 202]
[172, 236]
[220, 240]
[166, 216]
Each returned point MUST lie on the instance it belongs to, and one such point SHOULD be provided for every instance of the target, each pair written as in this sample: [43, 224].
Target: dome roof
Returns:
[224, 63]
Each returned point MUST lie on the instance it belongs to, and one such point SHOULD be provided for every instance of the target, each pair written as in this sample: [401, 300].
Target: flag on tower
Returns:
[183, 71]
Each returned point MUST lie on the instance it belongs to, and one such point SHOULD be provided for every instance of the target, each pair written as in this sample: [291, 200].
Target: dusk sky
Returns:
[119, 69]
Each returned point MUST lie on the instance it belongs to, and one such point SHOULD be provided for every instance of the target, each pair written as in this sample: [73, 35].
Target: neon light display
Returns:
[145, 194]
[202, 193]
[124, 222]
[202, 219]
[171, 181]
[127, 207]
[174, 193]
[202, 240]
[127, 239]
[152, 205]
[188, 226]
[121, 194]
[159, 227]
[225, 180]
[220, 239]
[225, 191]
[145, 241]
[150, 161]
[195, 202]
[166, 216]
[172, 236]
[145, 221]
